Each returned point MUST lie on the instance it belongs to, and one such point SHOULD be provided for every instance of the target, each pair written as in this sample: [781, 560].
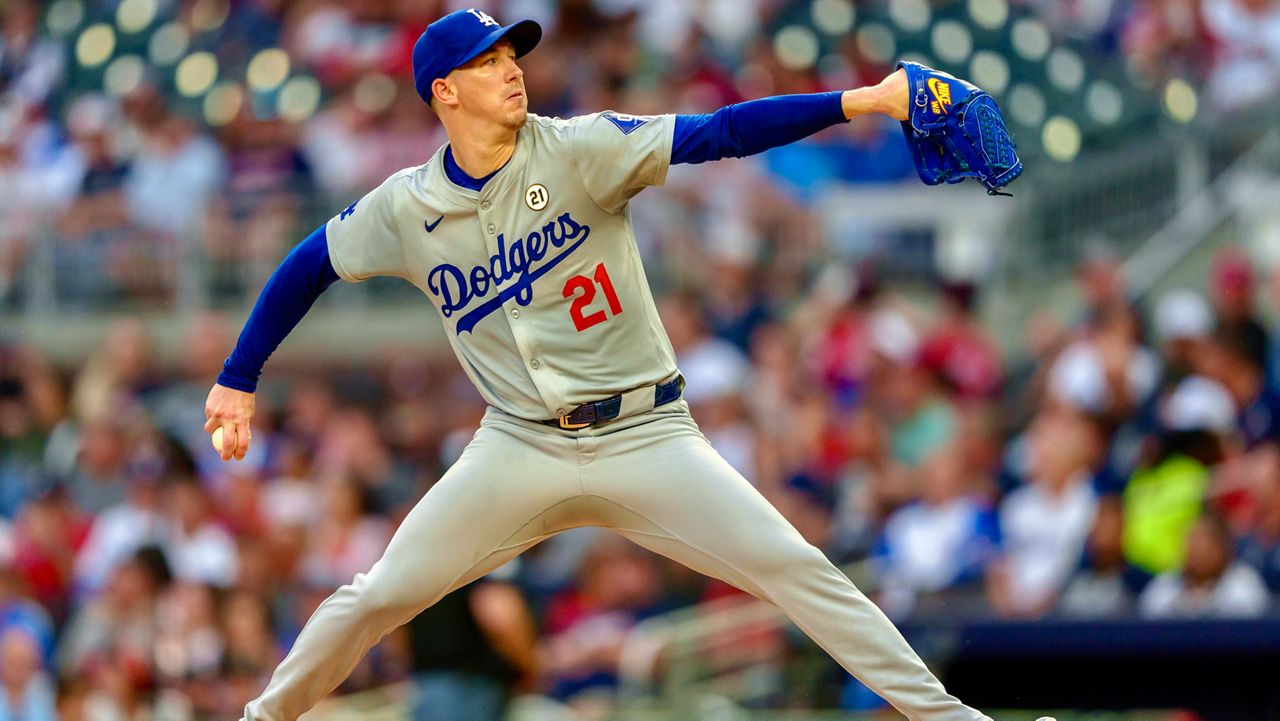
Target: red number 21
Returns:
[585, 291]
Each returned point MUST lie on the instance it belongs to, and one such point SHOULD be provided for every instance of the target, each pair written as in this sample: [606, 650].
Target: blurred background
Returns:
[1040, 431]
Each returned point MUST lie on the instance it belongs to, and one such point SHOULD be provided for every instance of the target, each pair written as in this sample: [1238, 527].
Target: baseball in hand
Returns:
[217, 439]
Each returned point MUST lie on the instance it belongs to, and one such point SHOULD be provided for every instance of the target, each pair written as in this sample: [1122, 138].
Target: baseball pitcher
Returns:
[518, 232]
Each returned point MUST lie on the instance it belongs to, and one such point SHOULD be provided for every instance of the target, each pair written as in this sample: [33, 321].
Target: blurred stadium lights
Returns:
[268, 69]
[196, 74]
[796, 47]
[1104, 102]
[299, 99]
[1061, 138]
[374, 93]
[1065, 69]
[990, 71]
[1030, 38]
[64, 17]
[168, 44]
[1026, 105]
[876, 42]
[952, 41]
[910, 15]
[135, 15]
[123, 75]
[95, 45]
[1180, 100]
[223, 103]
[1004, 49]
[833, 17]
[990, 14]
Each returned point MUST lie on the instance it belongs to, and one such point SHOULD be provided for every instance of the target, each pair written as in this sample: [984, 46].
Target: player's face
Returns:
[492, 86]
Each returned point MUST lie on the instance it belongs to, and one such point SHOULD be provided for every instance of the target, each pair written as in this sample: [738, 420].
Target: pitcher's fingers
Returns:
[228, 440]
[244, 435]
[210, 424]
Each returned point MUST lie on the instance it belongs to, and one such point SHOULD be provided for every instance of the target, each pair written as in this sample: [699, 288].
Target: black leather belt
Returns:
[595, 413]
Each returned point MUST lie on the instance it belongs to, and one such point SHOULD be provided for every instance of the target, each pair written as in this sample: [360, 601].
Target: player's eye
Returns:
[491, 61]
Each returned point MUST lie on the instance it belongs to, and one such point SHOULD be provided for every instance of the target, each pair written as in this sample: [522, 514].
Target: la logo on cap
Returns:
[483, 17]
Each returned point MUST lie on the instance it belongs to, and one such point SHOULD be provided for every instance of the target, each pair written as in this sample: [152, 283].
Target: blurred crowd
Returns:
[1126, 463]
[132, 147]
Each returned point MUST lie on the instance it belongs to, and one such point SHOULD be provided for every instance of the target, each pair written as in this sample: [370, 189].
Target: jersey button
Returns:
[515, 313]
[484, 205]
[560, 412]
[534, 364]
[491, 228]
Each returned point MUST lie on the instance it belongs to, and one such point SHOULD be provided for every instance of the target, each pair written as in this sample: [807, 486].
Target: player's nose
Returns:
[514, 72]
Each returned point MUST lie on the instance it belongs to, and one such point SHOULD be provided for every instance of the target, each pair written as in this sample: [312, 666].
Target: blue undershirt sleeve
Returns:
[285, 299]
[743, 129]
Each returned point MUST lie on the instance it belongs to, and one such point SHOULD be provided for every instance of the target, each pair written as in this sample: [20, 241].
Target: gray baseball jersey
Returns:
[537, 275]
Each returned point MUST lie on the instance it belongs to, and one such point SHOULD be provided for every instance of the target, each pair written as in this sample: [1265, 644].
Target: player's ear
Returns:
[444, 92]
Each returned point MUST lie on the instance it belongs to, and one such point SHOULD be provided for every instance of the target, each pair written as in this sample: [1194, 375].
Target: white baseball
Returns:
[217, 439]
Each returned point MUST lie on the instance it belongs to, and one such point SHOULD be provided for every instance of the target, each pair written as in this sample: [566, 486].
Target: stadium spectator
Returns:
[1246, 65]
[188, 644]
[943, 540]
[31, 63]
[1044, 524]
[116, 632]
[585, 625]
[1167, 38]
[1106, 586]
[470, 651]
[348, 538]
[1232, 288]
[26, 691]
[1211, 583]
[197, 546]
[46, 536]
[1166, 494]
[250, 653]
[1183, 321]
[1259, 544]
[1230, 358]
[174, 176]
[17, 609]
[1109, 371]
[959, 350]
[908, 395]
[120, 530]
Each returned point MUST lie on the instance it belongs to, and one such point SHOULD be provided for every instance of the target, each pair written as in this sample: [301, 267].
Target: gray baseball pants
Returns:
[654, 479]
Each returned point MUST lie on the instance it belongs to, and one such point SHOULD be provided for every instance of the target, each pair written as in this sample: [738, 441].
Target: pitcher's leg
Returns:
[477, 517]
[674, 494]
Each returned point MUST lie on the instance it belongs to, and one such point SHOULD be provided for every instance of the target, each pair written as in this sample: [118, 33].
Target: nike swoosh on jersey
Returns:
[432, 226]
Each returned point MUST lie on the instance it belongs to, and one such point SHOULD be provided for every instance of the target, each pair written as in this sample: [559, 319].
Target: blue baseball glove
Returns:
[955, 131]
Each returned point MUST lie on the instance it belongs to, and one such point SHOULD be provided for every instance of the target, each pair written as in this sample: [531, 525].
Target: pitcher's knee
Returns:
[375, 598]
[368, 598]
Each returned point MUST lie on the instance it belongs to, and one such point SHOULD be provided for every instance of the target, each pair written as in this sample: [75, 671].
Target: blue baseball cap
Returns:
[456, 38]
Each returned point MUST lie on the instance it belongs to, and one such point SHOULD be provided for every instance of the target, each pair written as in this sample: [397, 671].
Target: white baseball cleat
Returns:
[1046, 718]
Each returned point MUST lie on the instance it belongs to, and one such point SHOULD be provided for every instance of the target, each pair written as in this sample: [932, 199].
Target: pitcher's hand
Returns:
[231, 410]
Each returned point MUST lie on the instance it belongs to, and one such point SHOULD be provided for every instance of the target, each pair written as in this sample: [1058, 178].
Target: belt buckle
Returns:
[565, 424]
